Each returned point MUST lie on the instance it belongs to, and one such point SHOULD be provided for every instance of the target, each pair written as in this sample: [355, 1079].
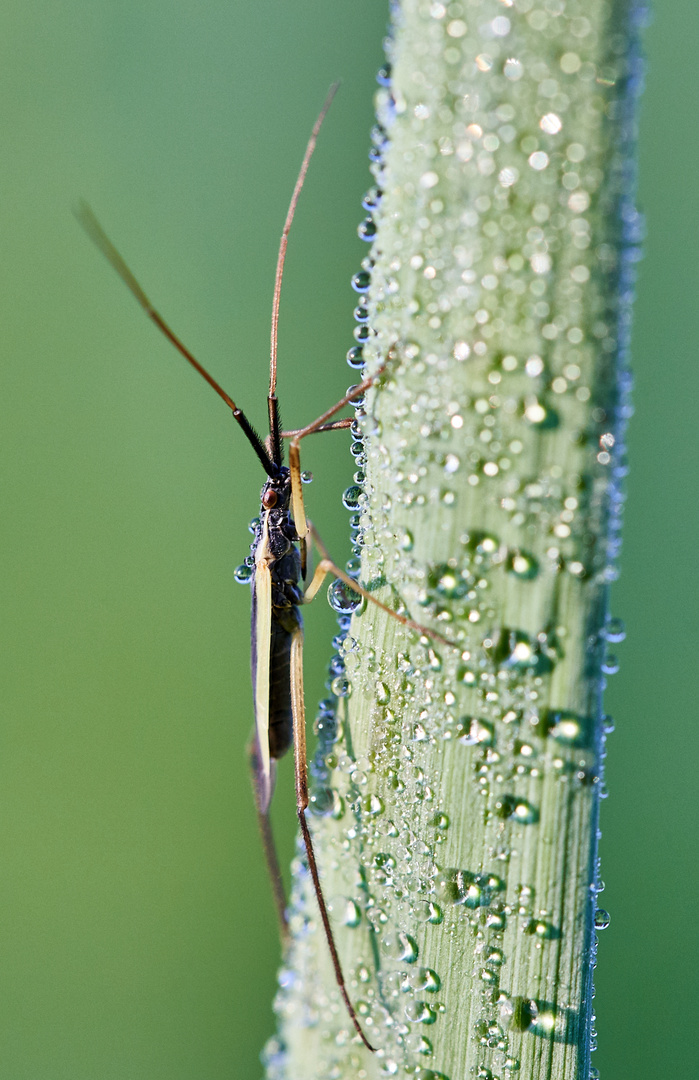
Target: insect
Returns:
[280, 567]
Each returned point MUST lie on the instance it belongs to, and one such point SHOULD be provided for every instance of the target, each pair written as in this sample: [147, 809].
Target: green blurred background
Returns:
[137, 934]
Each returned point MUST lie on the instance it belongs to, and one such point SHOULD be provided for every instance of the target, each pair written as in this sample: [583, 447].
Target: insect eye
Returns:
[269, 499]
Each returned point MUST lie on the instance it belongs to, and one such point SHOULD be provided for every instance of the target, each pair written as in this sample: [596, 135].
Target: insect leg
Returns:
[268, 844]
[327, 566]
[301, 773]
[319, 424]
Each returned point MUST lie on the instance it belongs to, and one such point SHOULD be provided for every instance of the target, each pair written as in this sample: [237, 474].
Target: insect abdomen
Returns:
[280, 715]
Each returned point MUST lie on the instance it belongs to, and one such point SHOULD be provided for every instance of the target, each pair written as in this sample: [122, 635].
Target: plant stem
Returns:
[458, 785]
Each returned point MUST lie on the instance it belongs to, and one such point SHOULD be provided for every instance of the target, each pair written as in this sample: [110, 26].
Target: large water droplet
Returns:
[602, 919]
[243, 574]
[419, 1012]
[351, 497]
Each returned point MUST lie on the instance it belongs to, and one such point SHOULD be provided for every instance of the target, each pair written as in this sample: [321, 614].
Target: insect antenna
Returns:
[98, 236]
[274, 423]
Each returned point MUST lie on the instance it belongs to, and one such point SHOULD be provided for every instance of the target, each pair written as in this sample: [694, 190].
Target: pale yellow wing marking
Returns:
[263, 635]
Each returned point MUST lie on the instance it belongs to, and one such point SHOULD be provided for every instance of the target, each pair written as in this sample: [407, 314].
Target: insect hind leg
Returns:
[301, 774]
[327, 566]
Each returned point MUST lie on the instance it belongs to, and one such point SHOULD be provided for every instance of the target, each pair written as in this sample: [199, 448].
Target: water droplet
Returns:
[382, 693]
[373, 805]
[602, 919]
[520, 810]
[402, 947]
[351, 497]
[440, 821]
[361, 281]
[383, 75]
[372, 199]
[424, 979]
[343, 599]
[565, 727]
[446, 581]
[476, 732]
[462, 887]
[366, 230]
[522, 564]
[355, 357]
[341, 686]
[361, 313]
[253, 526]
[614, 630]
[610, 664]
[306, 477]
[352, 914]
[326, 802]
[417, 1044]
[419, 1012]
[243, 574]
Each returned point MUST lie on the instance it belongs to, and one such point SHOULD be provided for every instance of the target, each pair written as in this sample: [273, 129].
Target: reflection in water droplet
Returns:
[343, 599]
[602, 919]
[243, 574]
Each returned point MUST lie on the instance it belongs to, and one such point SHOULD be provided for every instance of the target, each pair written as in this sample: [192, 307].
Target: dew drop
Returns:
[614, 630]
[351, 497]
[343, 599]
[243, 574]
[419, 1012]
[403, 947]
[366, 230]
[373, 805]
[341, 686]
[425, 979]
[602, 919]
[610, 664]
[382, 693]
[520, 810]
[361, 281]
[522, 565]
[326, 802]
[352, 914]
[355, 357]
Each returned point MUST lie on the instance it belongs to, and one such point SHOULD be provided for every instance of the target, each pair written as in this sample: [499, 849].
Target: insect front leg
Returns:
[320, 424]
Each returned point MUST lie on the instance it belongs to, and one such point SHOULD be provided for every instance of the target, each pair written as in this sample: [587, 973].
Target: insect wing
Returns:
[261, 643]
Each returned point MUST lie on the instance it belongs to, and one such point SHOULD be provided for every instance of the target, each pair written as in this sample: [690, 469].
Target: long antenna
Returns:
[98, 236]
[285, 235]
